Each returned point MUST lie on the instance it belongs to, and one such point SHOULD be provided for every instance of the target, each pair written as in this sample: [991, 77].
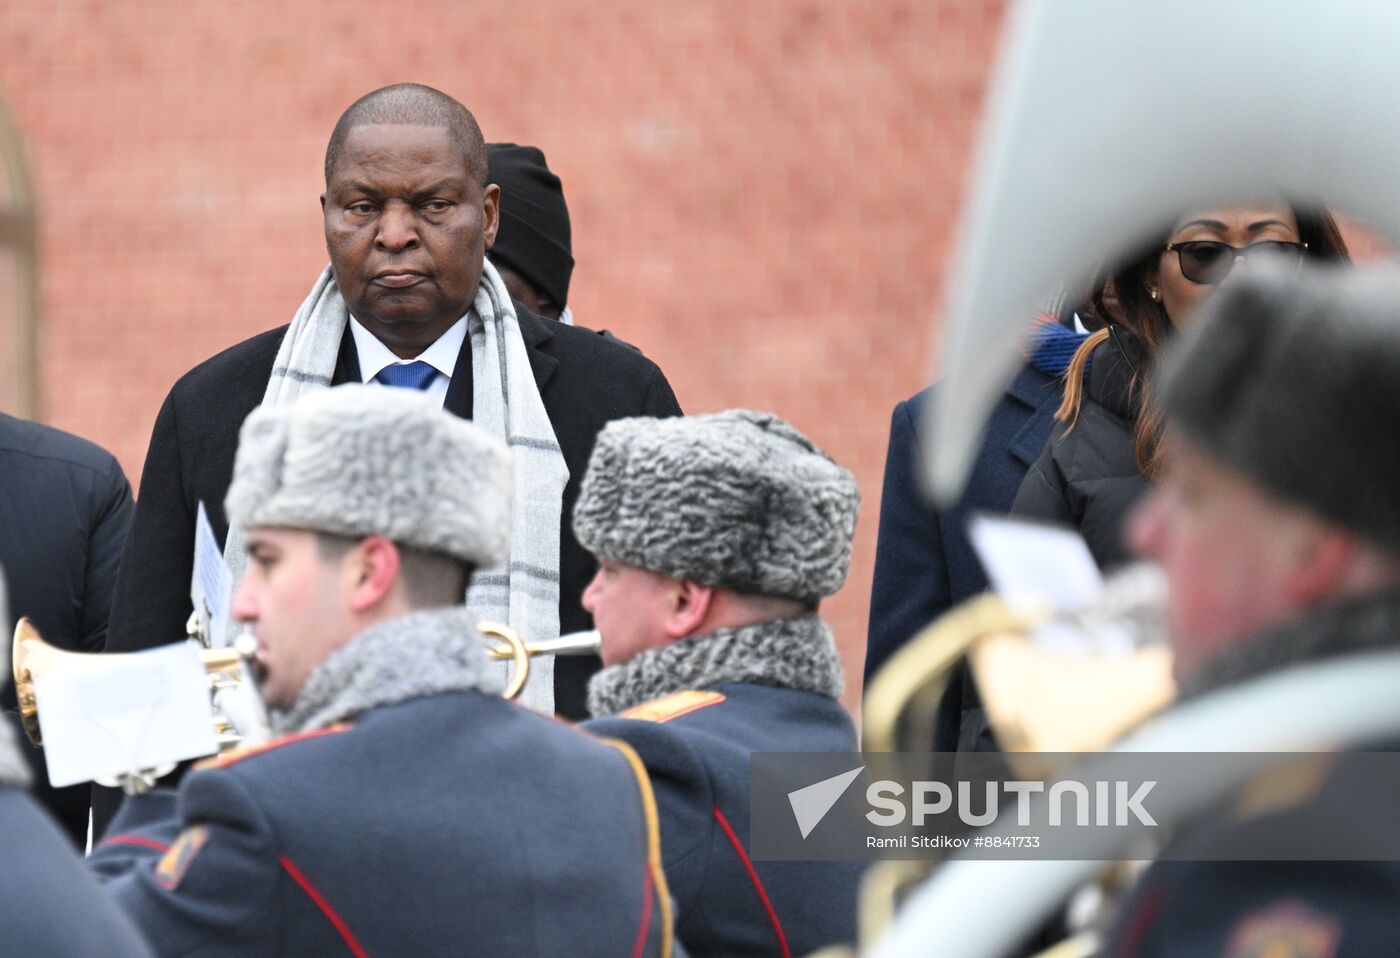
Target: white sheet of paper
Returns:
[211, 585]
[1033, 565]
[134, 712]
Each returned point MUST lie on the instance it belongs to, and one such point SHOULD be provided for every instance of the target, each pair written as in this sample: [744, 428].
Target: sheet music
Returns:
[126, 713]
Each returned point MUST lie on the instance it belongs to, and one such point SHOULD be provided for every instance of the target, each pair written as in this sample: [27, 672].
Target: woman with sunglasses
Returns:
[1104, 448]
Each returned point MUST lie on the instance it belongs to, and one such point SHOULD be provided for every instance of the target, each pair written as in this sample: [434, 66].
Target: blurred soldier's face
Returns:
[407, 226]
[630, 607]
[1229, 551]
[293, 597]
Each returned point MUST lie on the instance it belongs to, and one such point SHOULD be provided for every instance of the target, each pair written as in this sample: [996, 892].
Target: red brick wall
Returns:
[762, 194]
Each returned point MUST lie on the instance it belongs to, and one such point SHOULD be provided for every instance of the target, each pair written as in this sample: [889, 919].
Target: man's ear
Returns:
[690, 604]
[1321, 560]
[371, 572]
[491, 205]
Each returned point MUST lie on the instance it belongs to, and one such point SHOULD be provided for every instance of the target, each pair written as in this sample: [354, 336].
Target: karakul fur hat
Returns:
[370, 460]
[737, 499]
[1293, 378]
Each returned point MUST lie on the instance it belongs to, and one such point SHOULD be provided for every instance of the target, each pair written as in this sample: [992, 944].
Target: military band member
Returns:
[717, 536]
[49, 905]
[1277, 522]
[408, 809]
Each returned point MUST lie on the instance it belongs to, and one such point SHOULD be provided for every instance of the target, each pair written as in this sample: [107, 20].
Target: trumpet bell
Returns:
[31, 656]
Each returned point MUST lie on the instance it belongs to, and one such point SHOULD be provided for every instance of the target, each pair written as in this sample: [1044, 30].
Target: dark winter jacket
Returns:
[1088, 477]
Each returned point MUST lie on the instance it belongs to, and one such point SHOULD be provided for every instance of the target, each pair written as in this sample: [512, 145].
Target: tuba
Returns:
[1329, 705]
[1039, 701]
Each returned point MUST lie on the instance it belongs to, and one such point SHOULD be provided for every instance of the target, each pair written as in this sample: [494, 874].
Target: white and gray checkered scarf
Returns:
[523, 592]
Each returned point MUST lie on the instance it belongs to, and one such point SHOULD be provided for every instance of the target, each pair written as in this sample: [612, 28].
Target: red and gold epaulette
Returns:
[673, 706]
[225, 759]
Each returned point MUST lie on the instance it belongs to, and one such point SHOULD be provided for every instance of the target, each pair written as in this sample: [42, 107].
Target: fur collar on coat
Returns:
[789, 653]
[416, 655]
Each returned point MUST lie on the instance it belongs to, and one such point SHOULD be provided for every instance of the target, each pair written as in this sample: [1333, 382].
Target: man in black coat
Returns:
[408, 218]
[65, 506]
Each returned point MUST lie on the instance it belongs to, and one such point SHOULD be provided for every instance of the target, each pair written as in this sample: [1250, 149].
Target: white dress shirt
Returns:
[441, 355]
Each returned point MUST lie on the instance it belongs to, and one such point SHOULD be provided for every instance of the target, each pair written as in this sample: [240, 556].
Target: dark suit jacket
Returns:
[65, 506]
[924, 561]
[584, 380]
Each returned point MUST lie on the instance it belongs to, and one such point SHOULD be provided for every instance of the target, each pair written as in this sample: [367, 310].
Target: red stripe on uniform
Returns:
[1136, 926]
[336, 921]
[136, 840]
[757, 884]
[646, 918]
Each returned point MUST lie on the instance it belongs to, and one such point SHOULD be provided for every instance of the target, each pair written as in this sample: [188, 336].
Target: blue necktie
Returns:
[414, 375]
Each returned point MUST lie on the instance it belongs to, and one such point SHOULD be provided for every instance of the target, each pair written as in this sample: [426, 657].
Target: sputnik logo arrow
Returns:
[810, 804]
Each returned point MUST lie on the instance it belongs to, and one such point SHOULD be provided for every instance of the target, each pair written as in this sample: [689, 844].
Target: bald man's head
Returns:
[416, 105]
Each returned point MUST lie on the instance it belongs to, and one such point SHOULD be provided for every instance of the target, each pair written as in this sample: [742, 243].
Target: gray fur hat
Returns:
[1293, 378]
[368, 460]
[737, 499]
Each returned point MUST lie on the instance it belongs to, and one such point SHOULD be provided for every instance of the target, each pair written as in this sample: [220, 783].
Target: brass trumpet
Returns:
[514, 649]
[233, 668]
[32, 656]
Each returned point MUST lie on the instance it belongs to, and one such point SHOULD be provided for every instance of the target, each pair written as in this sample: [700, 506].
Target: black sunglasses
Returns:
[1210, 261]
